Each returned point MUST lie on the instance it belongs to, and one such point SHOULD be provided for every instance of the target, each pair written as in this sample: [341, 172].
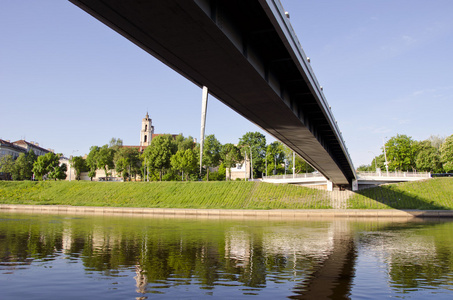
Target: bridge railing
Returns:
[395, 174]
[289, 176]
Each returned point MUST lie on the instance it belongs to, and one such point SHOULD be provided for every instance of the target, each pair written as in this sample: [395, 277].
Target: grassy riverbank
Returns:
[432, 194]
[231, 195]
[425, 195]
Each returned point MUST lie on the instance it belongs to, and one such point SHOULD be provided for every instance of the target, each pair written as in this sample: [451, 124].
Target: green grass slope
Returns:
[220, 195]
[436, 193]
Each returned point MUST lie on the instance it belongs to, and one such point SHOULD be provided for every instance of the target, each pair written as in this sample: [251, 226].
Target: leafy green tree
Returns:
[105, 159]
[446, 154]
[211, 153]
[92, 161]
[257, 143]
[302, 166]
[275, 157]
[428, 158]
[230, 156]
[23, 166]
[185, 161]
[184, 143]
[220, 174]
[377, 162]
[79, 165]
[158, 154]
[115, 143]
[7, 164]
[49, 165]
[401, 151]
[127, 162]
[58, 172]
[364, 168]
[436, 141]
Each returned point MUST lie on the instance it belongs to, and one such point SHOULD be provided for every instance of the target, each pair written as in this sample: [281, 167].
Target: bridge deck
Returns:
[248, 56]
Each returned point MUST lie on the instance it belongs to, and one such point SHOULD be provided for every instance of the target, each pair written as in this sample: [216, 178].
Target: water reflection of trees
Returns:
[159, 250]
[166, 253]
[417, 255]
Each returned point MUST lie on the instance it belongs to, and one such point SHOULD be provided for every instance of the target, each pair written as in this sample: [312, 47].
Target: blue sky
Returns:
[69, 82]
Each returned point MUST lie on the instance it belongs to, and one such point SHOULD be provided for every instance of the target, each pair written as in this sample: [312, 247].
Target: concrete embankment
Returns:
[229, 213]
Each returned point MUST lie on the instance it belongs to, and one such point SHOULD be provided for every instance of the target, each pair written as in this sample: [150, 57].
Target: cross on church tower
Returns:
[146, 134]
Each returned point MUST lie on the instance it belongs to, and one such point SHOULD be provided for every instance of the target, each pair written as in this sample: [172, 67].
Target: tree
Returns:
[7, 164]
[79, 165]
[184, 161]
[115, 143]
[364, 168]
[23, 166]
[159, 153]
[183, 143]
[446, 154]
[105, 159]
[378, 162]
[58, 172]
[303, 166]
[211, 153]
[255, 142]
[127, 162]
[230, 156]
[436, 141]
[275, 157]
[92, 161]
[428, 158]
[49, 165]
[401, 152]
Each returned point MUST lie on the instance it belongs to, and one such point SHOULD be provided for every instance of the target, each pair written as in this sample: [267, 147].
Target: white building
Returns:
[8, 148]
[240, 171]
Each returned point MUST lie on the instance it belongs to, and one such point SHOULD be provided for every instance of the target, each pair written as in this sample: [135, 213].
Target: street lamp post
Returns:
[245, 165]
[70, 159]
[251, 162]
[386, 162]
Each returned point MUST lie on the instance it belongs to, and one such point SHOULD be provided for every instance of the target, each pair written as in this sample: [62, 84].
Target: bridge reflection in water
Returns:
[225, 258]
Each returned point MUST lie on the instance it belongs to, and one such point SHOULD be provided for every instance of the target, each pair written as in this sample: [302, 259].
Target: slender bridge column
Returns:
[204, 106]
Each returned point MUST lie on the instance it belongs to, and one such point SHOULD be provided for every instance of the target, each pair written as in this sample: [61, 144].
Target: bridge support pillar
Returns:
[204, 106]
[355, 185]
[329, 186]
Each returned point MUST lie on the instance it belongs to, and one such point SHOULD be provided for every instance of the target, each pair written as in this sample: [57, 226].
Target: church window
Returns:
[146, 128]
[145, 138]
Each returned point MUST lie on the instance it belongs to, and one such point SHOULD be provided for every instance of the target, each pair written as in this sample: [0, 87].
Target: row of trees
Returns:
[28, 166]
[405, 154]
[169, 158]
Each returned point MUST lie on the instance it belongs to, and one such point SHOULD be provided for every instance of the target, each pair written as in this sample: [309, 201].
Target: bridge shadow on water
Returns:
[333, 278]
[389, 196]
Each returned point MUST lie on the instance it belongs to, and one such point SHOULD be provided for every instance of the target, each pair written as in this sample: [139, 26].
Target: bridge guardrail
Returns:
[359, 174]
[395, 174]
[289, 176]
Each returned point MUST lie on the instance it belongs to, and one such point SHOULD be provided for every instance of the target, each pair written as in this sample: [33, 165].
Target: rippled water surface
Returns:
[77, 257]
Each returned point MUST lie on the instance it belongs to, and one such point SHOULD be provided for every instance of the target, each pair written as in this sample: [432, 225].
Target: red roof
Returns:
[25, 144]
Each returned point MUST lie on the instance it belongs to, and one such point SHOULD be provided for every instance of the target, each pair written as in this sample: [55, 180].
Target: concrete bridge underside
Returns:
[248, 56]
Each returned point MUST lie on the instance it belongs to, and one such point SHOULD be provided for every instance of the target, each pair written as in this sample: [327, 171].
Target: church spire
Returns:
[146, 133]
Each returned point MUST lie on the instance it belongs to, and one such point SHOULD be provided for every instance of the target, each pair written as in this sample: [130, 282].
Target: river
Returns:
[106, 257]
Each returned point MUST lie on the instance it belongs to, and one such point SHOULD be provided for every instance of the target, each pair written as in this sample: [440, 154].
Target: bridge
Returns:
[248, 55]
[364, 179]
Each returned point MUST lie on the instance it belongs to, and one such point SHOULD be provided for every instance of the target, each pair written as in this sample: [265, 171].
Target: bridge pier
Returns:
[204, 107]
[355, 185]
[329, 186]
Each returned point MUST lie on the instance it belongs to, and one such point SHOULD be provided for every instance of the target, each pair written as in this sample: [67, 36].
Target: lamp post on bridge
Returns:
[251, 162]
[70, 159]
[385, 155]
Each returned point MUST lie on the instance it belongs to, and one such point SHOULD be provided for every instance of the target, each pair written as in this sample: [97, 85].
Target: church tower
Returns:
[146, 134]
